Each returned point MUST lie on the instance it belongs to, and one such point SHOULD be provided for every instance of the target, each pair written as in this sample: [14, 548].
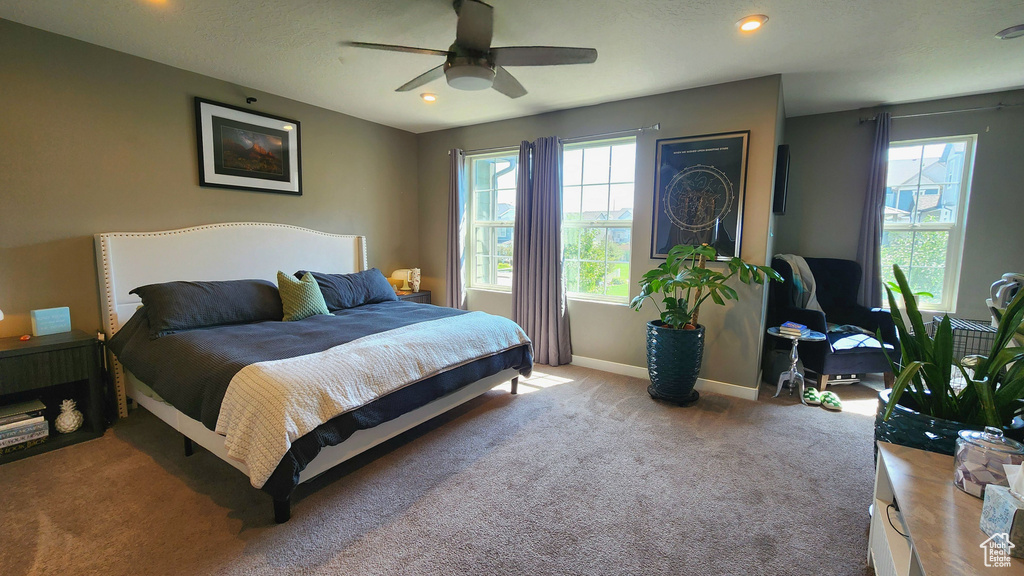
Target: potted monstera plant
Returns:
[924, 409]
[675, 342]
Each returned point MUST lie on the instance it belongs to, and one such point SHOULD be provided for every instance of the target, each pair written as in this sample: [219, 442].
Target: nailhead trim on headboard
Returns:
[110, 311]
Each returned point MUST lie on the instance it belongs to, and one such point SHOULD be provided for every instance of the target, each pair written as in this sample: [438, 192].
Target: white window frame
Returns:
[584, 224]
[473, 223]
[955, 245]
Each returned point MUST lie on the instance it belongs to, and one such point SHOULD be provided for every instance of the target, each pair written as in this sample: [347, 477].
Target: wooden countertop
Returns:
[943, 521]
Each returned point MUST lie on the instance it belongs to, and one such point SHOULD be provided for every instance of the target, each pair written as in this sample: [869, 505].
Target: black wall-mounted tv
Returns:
[781, 179]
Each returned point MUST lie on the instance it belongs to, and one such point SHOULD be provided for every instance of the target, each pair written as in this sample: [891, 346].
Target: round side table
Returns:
[794, 375]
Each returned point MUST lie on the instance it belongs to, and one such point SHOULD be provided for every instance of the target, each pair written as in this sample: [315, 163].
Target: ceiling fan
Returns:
[471, 64]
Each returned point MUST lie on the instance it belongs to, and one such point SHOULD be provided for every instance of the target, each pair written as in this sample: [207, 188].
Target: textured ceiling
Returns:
[833, 54]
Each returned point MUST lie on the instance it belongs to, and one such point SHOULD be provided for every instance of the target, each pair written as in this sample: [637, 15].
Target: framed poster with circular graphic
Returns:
[698, 192]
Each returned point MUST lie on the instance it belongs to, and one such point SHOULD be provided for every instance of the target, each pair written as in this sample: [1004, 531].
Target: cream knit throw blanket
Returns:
[268, 405]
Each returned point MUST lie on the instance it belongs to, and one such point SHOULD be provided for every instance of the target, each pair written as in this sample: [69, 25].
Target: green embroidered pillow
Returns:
[300, 298]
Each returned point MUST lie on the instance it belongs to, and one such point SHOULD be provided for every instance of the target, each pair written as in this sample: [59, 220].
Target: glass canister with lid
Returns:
[979, 459]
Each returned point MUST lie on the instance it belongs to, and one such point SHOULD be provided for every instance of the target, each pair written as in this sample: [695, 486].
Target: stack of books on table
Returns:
[22, 425]
[794, 329]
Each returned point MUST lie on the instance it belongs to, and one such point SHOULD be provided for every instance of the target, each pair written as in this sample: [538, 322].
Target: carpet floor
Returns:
[581, 473]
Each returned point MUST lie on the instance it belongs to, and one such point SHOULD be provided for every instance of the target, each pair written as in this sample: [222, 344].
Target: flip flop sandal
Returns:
[831, 401]
[812, 397]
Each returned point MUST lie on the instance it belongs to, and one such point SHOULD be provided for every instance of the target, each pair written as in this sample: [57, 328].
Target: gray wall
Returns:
[827, 183]
[614, 332]
[98, 141]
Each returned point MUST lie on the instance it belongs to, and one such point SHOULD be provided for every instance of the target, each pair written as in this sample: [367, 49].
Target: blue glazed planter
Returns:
[673, 362]
[908, 427]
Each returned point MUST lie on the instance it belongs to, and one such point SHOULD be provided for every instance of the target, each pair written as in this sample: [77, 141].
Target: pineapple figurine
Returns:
[70, 419]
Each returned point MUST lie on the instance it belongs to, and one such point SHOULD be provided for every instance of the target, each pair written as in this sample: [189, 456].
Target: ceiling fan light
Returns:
[752, 22]
[1011, 32]
[469, 77]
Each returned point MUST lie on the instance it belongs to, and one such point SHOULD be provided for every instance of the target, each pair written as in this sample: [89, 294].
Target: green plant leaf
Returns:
[729, 293]
[708, 252]
[900, 385]
[987, 399]
[942, 360]
[1010, 322]
[910, 301]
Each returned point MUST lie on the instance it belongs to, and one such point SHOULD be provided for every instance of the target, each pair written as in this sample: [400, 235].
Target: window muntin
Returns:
[492, 199]
[927, 189]
[597, 218]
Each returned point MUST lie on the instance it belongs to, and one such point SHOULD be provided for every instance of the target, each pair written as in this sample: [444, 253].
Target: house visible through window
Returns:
[597, 217]
[492, 209]
[926, 196]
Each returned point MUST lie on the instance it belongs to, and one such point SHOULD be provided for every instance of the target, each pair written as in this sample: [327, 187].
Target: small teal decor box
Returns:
[1003, 514]
[51, 321]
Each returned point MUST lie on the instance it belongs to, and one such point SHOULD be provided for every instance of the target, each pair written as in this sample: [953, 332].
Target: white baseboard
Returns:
[703, 384]
[613, 367]
[726, 389]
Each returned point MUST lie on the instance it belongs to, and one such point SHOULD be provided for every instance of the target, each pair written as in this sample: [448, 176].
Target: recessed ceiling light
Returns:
[428, 97]
[752, 22]
[1011, 32]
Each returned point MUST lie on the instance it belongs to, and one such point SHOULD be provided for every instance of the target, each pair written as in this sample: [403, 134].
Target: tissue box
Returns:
[51, 321]
[1003, 513]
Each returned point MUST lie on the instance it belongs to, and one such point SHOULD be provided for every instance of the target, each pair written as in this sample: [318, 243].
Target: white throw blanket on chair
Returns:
[804, 281]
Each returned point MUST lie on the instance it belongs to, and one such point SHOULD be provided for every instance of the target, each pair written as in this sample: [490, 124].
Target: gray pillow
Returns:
[343, 291]
[174, 306]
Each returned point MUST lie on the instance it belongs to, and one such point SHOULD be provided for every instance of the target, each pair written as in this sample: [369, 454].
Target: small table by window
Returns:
[794, 375]
[423, 296]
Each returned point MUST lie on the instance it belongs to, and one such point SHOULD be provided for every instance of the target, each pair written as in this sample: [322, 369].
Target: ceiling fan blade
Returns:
[394, 48]
[476, 25]
[428, 76]
[542, 56]
[507, 84]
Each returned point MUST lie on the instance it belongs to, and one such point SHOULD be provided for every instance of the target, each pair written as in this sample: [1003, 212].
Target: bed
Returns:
[211, 383]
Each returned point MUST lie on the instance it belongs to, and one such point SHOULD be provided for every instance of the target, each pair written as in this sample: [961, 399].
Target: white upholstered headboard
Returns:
[230, 251]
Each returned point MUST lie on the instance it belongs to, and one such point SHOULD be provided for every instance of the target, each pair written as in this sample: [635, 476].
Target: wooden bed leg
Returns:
[282, 510]
[189, 447]
[889, 379]
[515, 385]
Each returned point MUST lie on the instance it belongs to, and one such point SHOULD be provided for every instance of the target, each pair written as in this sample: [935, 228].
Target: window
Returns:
[597, 217]
[492, 209]
[926, 194]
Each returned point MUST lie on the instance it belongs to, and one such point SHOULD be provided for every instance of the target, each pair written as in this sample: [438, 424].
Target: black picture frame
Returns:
[699, 187]
[244, 150]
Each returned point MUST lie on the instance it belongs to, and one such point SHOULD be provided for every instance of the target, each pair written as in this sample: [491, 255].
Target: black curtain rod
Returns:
[999, 106]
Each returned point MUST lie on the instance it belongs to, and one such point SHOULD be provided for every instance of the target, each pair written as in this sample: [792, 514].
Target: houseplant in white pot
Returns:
[675, 342]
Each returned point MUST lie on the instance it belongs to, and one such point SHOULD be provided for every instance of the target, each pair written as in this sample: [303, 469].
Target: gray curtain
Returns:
[869, 248]
[455, 257]
[538, 291]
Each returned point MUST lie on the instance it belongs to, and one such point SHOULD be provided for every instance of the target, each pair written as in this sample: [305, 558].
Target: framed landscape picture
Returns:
[245, 150]
[698, 192]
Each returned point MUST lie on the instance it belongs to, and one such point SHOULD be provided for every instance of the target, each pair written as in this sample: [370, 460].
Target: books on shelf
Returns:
[16, 447]
[794, 329]
[22, 411]
[22, 425]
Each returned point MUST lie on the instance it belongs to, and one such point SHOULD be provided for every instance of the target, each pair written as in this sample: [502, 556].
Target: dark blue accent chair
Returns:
[837, 284]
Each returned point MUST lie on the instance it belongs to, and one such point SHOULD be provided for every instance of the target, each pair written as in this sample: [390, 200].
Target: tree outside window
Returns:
[492, 209]
[597, 217]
